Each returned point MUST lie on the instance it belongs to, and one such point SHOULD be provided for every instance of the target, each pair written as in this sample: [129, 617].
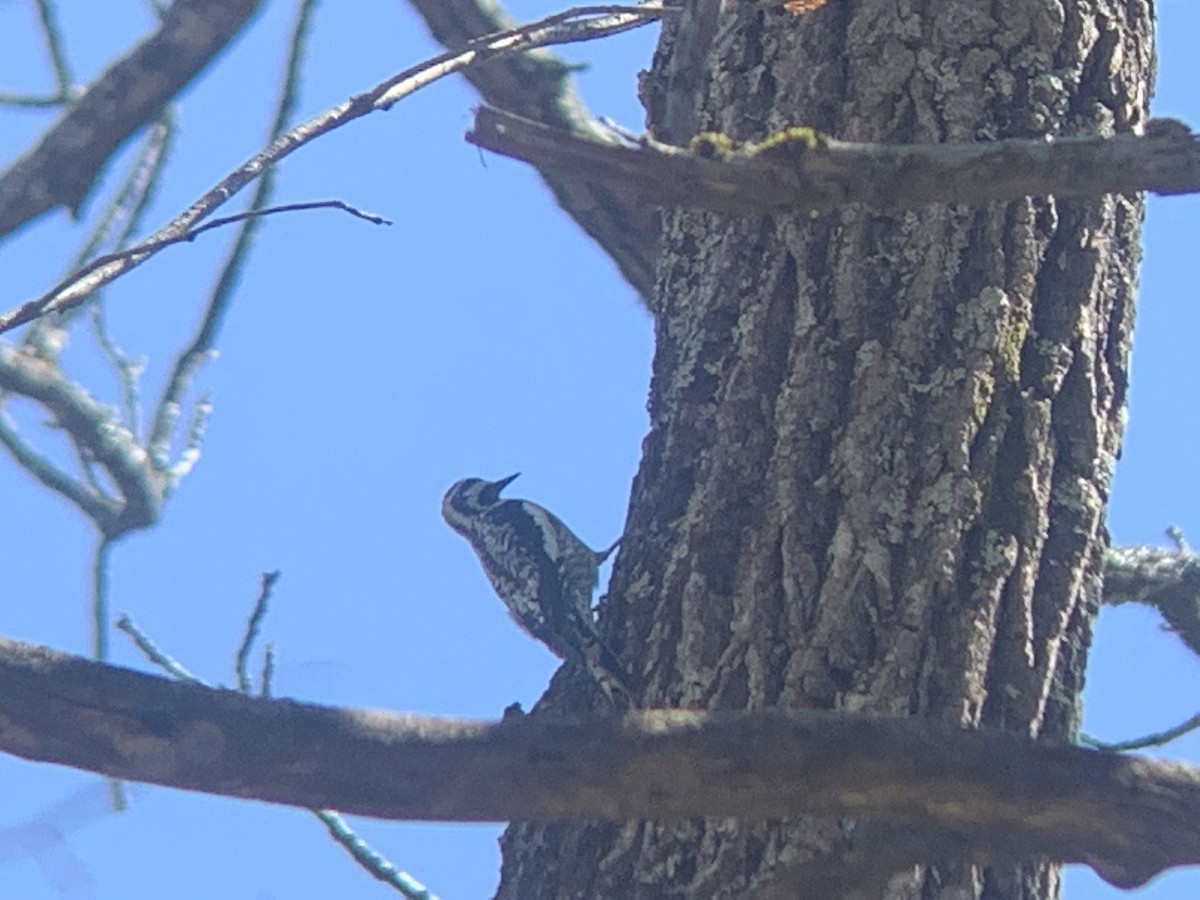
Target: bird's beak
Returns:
[505, 482]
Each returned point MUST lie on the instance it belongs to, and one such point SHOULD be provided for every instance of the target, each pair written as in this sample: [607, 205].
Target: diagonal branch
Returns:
[62, 168]
[85, 494]
[537, 85]
[582, 23]
[1168, 580]
[170, 405]
[99, 433]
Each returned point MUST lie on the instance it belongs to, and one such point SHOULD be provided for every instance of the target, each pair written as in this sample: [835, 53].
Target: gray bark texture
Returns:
[881, 446]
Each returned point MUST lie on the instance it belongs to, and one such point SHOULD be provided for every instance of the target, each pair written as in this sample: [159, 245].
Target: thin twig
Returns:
[266, 678]
[30, 101]
[36, 366]
[100, 599]
[129, 369]
[187, 363]
[128, 207]
[97, 429]
[92, 503]
[116, 788]
[362, 853]
[189, 454]
[1175, 533]
[241, 661]
[66, 162]
[578, 24]
[369, 859]
[87, 466]
[540, 85]
[134, 256]
[54, 48]
[52, 38]
[128, 204]
[131, 197]
[168, 664]
[1151, 740]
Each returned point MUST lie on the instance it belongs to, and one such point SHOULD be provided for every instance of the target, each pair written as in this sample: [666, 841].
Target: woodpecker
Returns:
[544, 573]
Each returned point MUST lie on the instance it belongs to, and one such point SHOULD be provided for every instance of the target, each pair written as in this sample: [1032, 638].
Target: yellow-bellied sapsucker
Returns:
[544, 574]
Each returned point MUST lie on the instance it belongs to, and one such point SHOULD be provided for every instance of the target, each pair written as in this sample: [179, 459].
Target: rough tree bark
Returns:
[880, 447]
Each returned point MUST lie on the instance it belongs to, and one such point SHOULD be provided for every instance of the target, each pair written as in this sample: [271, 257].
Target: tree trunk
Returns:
[881, 446]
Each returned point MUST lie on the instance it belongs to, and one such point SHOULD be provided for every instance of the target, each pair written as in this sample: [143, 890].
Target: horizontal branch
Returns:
[996, 795]
[802, 169]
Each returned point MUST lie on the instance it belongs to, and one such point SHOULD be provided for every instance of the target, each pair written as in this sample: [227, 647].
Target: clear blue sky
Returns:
[363, 369]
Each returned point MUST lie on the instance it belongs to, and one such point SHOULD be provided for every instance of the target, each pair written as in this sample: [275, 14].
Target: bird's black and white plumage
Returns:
[544, 573]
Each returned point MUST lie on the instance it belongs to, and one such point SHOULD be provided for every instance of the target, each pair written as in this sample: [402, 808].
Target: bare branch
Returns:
[994, 794]
[188, 362]
[266, 675]
[99, 435]
[130, 201]
[100, 583]
[1168, 580]
[1175, 533]
[360, 851]
[1158, 739]
[369, 858]
[538, 86]
[151, 651]
[189, 453]
[803, 169]
[144, 477]
[578, 24]
[128, 369]
[61, 170]
[120, 261]
[98, 432]
[52, 35]
[241, 661]
[100, 559]
[123, 212]
[96, 505]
